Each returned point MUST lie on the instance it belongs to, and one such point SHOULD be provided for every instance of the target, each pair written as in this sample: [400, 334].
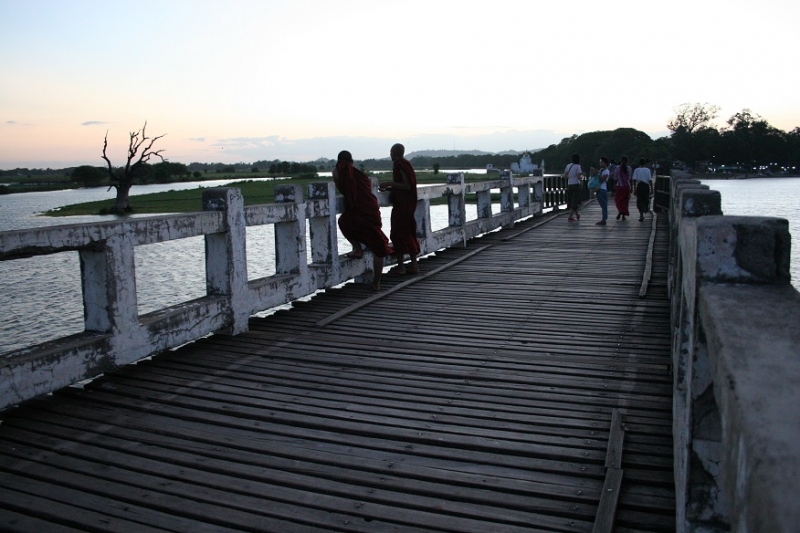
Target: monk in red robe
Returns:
[403, 193]
[361, 220]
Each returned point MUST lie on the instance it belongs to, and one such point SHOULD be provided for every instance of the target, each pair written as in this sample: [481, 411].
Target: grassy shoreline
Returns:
[190, 200]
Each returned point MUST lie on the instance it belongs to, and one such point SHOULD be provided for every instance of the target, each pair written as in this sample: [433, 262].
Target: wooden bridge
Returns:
[518, 384]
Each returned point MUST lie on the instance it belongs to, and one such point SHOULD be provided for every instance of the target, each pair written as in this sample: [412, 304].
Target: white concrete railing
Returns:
[736, 364]
[115, 334]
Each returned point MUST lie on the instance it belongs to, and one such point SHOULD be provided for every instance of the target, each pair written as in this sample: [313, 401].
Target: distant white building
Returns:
[525, 166]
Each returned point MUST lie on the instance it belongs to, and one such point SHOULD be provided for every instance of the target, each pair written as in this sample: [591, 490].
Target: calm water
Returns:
[40, 297]
[765, 197]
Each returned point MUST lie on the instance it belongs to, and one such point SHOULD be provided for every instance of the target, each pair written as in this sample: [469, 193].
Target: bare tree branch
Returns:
[692, 117]
[123, 181]
[108, 161]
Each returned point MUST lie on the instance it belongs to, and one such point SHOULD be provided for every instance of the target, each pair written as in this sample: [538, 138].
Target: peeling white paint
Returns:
[115, 334]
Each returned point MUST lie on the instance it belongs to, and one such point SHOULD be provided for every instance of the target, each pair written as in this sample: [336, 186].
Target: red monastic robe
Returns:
[361, 220]
[404, 203]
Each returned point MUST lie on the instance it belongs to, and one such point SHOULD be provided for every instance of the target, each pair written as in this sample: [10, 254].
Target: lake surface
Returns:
[41, 299]
[765, 197]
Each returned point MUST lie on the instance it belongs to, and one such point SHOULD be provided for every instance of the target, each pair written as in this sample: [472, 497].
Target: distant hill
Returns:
[444, 153]
[453, 153]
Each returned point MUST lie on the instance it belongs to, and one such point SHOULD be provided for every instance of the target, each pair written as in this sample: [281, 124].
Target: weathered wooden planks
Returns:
[476, 399]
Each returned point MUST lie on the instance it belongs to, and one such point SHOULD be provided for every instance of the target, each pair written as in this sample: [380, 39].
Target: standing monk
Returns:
[403, 193]
[361, 220]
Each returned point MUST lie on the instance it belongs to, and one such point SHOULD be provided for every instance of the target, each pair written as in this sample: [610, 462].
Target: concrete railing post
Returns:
[323, 234]
[226, 256]
[484, 204]
[108, 279]
[322, 223]
[678, 185]
[456, 204]
[723, 251]
[524, 195]
[422, 215]
[538, 193]
[691, 200]
[507, 196]
[290, 237]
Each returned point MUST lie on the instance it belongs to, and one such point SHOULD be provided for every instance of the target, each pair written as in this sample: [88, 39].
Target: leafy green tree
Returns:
[89, 176]
[792, 156]
[691, 117]
[166, 172]
[593, 145]
[753, 141]
[436, 168]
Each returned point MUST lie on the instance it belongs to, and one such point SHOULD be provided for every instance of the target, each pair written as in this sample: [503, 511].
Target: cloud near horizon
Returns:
[93, 123]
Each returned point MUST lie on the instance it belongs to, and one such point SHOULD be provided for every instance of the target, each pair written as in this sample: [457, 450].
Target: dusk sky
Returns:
[240, 81]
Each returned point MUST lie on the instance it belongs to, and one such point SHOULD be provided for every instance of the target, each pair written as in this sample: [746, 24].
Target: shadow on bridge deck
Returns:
[478, 398]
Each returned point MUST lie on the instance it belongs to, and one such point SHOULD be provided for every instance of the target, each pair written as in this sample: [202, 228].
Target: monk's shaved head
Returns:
[398, 149]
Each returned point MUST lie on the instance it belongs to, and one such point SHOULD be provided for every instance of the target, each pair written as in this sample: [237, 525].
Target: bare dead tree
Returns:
[123, 180]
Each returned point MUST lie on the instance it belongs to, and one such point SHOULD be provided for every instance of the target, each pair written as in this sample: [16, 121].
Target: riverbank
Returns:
[739, 176]
[59, 182]
[254, 192]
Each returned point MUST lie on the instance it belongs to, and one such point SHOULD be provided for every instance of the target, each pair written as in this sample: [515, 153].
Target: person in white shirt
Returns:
[642, 180]
[573, 173]
[602, 192]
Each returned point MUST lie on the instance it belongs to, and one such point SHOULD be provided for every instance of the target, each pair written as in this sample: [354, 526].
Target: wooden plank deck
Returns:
[477, 399]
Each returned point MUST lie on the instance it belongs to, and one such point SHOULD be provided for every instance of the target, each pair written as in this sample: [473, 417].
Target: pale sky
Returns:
[240, 81]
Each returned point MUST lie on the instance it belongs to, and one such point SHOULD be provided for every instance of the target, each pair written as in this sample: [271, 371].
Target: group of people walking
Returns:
[361, 220]
[625, 181]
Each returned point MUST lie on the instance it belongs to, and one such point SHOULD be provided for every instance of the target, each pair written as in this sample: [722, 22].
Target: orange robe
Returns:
[404, 203]
[361, 220]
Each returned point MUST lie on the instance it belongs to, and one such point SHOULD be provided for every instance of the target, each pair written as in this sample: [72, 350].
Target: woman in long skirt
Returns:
[642, 179]
[622, 186]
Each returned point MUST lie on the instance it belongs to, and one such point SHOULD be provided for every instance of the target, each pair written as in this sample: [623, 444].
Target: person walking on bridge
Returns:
[361, 220]
[642, 179]
[403, 194]
[602, 192]
[622, 186]
[573, 173]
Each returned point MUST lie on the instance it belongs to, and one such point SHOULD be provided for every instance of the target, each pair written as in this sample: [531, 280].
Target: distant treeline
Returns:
[462, 161]
[746, 144]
